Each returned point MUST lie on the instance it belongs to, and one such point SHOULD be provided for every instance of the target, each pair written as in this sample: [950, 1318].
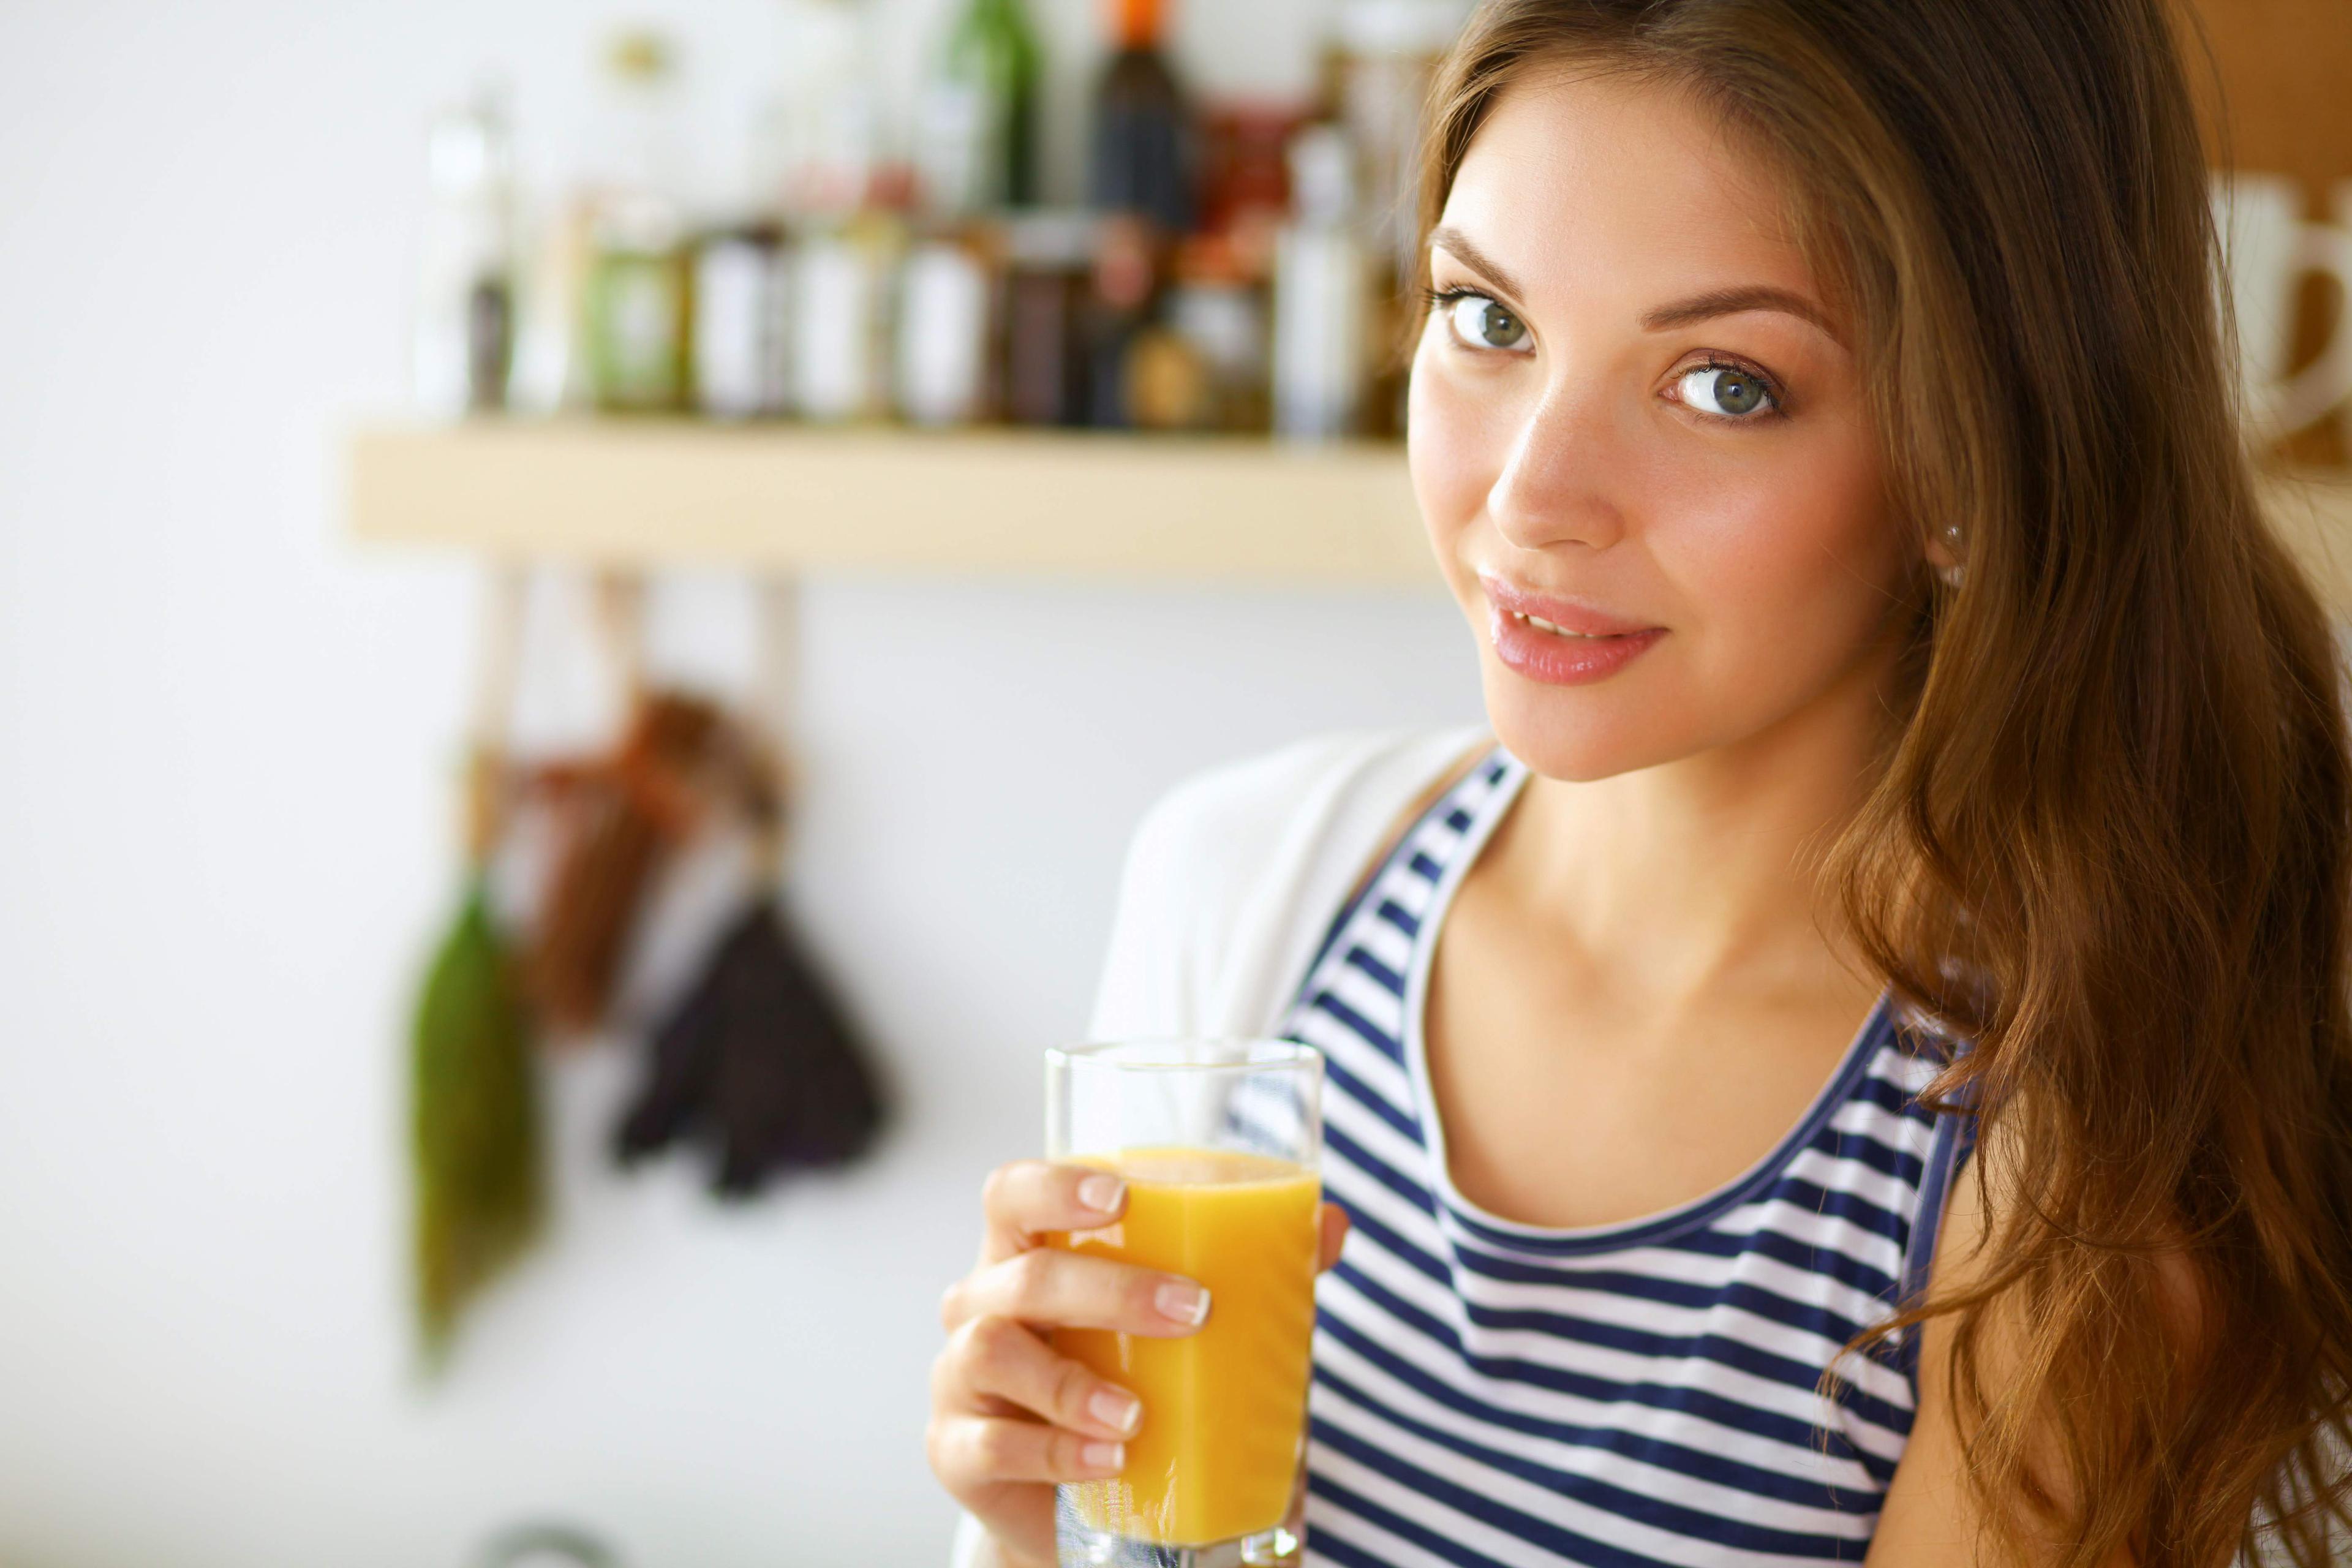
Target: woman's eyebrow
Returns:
[1448, 238]
[1730, 302]
[1705, 306]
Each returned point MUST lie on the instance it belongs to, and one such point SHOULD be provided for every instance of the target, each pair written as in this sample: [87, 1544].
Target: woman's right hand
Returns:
[1009, 1417]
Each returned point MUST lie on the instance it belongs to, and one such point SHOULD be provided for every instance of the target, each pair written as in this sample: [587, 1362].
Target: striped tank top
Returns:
[1619, 1397]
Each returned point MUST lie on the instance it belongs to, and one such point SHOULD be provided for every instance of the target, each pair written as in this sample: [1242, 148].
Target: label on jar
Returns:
[739, 365]
[942, 336]
[834, 331]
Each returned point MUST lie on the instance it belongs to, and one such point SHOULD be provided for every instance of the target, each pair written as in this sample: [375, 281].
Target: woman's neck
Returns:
[1703, 871]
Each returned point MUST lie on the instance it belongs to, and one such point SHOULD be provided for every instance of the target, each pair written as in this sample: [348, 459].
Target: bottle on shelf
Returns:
[1244, 178]
[1140, 156]
[635, 307]
[976, 113]
[1219, 278]
[463, 328]
[1048, 261]
[1120, 308]
[819, 138]
[843, 201]
[840, 302]
[1322, 295]
[843, 298]
[1218, 309]
[739, 358]
[946, 310]
[551, 351]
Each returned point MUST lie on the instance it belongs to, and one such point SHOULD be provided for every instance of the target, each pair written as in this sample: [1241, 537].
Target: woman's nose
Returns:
[1561, 481]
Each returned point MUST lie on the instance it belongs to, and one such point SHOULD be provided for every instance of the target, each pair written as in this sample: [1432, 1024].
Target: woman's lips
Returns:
[1558, 641]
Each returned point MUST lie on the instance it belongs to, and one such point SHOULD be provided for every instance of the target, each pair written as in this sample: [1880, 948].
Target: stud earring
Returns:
[1951, 574]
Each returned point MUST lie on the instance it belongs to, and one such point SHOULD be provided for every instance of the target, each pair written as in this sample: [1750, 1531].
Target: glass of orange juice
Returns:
[1220, 1142]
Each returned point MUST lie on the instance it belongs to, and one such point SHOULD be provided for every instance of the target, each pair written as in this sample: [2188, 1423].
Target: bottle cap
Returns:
[1137, 24]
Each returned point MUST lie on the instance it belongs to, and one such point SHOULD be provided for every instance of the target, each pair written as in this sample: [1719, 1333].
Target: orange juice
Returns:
[1224, 1408]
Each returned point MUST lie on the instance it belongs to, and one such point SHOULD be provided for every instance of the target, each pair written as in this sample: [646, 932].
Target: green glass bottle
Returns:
[978, 114]
[636, 301]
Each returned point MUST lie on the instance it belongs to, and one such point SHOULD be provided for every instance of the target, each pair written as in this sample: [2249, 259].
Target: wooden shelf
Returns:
[1211, 508]
[642, 492]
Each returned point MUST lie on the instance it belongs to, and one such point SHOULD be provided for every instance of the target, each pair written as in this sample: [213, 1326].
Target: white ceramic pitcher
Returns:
[2268, 249]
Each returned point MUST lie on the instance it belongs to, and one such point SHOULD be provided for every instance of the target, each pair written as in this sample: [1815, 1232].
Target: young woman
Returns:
[1858, 1062]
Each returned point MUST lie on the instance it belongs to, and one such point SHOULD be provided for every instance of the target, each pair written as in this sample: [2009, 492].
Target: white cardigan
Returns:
[1230, 882]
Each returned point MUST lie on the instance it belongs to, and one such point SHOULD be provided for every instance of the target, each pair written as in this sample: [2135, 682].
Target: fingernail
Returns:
[1101, 1194]
[1181, 1301]
[1116, 1409]
[1109, 1457]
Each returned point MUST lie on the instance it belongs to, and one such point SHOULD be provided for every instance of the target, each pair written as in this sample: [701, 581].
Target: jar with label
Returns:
[740, 365]
[840, 308]
[636, 330]
[945, 311]
[1048, 266]
[1219, 312]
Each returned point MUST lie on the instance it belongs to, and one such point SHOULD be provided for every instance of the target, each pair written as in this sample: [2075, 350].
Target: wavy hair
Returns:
[2108, 844]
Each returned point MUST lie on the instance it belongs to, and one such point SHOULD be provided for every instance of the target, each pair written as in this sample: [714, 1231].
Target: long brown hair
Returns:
[2108, 848]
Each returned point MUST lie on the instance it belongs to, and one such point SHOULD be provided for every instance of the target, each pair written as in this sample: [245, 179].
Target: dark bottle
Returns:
[1141, 161]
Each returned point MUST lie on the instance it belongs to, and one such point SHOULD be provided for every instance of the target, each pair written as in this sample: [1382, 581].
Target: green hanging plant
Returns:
[476, 1159]
[474, 1139]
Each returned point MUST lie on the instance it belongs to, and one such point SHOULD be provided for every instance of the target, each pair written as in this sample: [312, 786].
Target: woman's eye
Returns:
[1723, 391]
[1481, 323]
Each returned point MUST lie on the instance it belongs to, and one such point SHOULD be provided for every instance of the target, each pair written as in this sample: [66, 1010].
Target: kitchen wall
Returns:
[227, 741]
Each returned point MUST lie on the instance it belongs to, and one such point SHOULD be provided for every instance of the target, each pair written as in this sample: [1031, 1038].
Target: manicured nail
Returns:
[1102, 1194]
[1109, 1457]
[1180, 1302]
[1117, 1409]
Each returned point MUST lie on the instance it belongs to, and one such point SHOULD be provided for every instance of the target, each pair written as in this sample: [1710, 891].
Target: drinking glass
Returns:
[1219, 1143]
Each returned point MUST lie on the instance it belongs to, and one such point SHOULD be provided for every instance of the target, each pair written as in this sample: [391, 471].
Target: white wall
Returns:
[225, 749]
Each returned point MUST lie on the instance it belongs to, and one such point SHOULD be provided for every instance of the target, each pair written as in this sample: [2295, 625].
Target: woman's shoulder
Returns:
[1232, 866]
[1316, 806]
[1301, 786]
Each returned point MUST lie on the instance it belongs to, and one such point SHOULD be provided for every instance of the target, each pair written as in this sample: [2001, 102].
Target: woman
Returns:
[1859, 1063]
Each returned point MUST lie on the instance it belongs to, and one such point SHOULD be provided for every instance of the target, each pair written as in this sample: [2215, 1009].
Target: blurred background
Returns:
[485, 492]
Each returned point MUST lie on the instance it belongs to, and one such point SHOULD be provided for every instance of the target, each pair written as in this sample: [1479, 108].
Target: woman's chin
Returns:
[1577, 734]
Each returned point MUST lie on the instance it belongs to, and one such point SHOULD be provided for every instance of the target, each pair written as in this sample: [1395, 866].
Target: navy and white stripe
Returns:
[1622, 1397]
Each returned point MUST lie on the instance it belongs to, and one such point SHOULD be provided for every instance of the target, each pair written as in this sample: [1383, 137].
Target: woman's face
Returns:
[1634, 418]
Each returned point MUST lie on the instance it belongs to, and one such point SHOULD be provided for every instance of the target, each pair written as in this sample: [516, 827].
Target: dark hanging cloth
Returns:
[620, 815]
[756, 1067]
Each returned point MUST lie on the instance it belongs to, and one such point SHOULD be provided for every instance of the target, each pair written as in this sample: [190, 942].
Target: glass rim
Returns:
[1261, 1054]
